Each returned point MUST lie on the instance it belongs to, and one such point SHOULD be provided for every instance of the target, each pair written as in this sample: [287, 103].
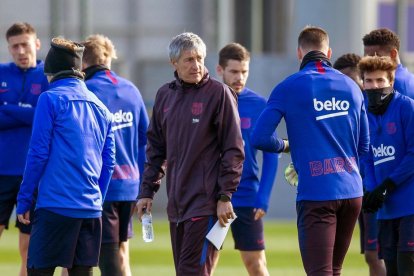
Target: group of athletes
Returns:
[79, 154]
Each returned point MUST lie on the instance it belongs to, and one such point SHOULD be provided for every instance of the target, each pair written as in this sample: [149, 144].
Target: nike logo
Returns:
[372, 241]
[384, 96]
[410, 243]
[196, 218]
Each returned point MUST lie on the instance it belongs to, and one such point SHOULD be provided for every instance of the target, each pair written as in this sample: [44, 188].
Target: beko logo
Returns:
[339, 108]
[124, 119]
[384, 153]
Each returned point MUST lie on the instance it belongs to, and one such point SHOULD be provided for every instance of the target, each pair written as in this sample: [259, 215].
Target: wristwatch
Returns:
[224, 198]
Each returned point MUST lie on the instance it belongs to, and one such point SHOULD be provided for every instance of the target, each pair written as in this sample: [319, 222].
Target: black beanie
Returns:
[63, 55]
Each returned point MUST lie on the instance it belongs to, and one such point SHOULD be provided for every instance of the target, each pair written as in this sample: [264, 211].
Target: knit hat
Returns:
[63, 55]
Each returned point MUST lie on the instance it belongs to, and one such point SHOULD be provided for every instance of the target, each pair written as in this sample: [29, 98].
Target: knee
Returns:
[371, 257]
[256, 266]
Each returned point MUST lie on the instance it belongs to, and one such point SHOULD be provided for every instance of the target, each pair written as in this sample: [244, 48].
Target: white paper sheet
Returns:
[218, 233]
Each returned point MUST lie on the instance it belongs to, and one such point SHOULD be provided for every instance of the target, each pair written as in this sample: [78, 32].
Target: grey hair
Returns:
[184, 42]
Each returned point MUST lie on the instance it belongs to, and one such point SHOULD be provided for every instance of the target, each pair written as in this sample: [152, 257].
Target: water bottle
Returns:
[147, 229]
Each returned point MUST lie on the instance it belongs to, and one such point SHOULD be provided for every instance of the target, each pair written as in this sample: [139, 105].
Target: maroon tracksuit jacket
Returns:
[195, 133]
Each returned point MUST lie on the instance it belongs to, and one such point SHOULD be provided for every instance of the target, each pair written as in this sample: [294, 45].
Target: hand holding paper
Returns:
[218, 233]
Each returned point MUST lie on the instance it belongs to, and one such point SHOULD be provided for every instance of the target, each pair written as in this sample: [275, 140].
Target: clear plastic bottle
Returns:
[147, 229]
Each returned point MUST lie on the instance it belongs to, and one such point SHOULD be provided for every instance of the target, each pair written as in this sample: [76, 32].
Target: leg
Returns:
[347, 215]
[23, 248]
[124, 255]
[405, 255]
[109, 260]
[41, 271]
[369, 241]
[388, 242]
[2, 227]
[376, 266]
[197, 255]
[316, 223]
[405, 263]
[255, 262]
[249, 239]
[80, 271]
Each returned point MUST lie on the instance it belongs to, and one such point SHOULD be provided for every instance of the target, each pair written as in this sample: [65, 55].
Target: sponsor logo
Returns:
[123, 119]
[391, 128]
[125, 172]
[35, 89]
[333, 165]
[197, 108]
[245, 123]
[338, 108]
[384, 153]
[24, 105]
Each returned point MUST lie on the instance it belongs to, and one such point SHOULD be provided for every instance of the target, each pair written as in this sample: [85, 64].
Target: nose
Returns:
[20, 49]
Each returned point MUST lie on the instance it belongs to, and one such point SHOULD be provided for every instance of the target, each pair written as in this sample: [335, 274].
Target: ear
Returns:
[329, 53]
[173, 64]
[299, 53]
[219, 71]
[394, 54]
[38, 44]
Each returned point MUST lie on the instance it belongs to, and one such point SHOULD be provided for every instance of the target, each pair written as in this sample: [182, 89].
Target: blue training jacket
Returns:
[392, 155]
[19, 91]
[327, 129]
[72, 152]
[404, 81]
[251, 192]
[130, 123]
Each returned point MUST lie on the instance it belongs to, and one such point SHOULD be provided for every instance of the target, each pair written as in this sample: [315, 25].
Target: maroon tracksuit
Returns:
[195, 132]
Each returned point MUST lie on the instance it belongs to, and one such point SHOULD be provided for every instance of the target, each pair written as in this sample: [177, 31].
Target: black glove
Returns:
[374, 200]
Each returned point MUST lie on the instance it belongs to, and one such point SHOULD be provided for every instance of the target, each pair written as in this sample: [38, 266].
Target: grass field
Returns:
[155, 258]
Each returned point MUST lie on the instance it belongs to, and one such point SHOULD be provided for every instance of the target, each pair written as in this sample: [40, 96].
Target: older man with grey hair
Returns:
[195, 132]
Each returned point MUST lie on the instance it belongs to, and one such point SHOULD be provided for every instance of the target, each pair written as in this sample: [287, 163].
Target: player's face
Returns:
[23, 50]
[353, 74]
[235, 74]
[376, 79]
[190, 66]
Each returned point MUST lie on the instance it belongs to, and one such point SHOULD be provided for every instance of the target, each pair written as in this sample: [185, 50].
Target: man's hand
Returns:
[374, 200]
[258, 213]
[143, 205]
[24, 218]
[225, 212]
[291, 175]
[286, 148]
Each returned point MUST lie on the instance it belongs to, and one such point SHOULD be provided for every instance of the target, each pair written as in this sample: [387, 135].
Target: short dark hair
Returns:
[233, 51]
[383, 37]
[349, 60]
[313, 38]
[377, 63]
[20, 28]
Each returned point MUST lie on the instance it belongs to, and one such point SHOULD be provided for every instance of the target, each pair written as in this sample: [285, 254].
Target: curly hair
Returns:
[382, 37]
[349, 60]
[376, 63]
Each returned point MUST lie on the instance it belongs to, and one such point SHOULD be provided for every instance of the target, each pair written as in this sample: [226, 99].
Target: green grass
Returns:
[155, 258]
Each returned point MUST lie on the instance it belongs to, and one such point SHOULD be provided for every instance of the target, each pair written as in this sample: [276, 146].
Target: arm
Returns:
[142, 138]
[269, 168]
[404, 170]
[108, 162]
[363, 144]
[230, 139]
[264, 136]
[20, 113]
[7, 122]
[155, 167]
[38, 154]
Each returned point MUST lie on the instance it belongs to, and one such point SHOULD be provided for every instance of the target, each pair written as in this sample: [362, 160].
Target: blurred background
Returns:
[142, 29]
